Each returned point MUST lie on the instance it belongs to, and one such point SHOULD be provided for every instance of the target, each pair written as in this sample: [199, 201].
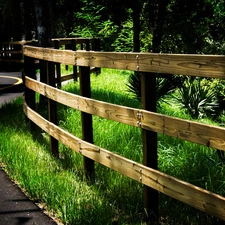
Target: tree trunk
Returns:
[136, 25]
[43, 21]
[27, 17]
[158, 29]
[16, 20]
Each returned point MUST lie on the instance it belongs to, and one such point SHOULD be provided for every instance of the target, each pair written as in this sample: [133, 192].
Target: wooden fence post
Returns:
[52, 107]
[97, 44]
[29, 70]
[57, 65]
[149, 138]
[87, 42]
[87, 128]
[74, 48]
[96, 47]
[67, 47]
[81, 46]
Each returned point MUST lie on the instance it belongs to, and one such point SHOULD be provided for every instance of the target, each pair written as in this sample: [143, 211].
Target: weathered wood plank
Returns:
[208, 135]
[102, 109]
[192, 195]
[54, 55]
[193, 65]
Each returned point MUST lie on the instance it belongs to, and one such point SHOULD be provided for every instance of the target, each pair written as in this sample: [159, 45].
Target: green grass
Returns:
[60, 183]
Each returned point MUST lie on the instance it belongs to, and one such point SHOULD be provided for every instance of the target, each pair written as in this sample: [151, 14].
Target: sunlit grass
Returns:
[60, 184]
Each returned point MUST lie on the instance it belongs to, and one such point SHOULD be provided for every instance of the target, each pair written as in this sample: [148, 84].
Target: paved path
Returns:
[10, 86]
[15, 207]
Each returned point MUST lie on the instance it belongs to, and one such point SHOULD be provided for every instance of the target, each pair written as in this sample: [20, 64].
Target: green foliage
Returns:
[219, 86]
[198, 98]
[124, 40]
[165, 85]
[189, 27]
[92, 21]
[145, 40]
[60, 185]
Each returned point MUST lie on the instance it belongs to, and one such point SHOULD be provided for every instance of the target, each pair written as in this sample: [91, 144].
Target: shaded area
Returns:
[16, 208]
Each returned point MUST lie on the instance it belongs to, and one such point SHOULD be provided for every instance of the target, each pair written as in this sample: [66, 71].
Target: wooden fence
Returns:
[74, 44]
[146, 118]
[11, 54]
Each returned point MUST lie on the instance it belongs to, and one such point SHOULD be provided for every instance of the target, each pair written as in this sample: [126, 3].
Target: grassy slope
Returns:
[60, 184]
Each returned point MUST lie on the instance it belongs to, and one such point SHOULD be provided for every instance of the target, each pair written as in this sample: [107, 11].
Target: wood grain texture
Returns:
[193, 65]
[64, 41]
[194, 196]
[54, 55]
[208, 135]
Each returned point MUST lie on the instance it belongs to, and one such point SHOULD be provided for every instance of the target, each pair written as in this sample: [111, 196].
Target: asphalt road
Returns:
[10, 86]
[15, 207]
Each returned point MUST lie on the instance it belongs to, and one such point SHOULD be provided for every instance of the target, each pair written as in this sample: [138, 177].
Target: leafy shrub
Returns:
[198, 98]
[220, 87]
[92, 21]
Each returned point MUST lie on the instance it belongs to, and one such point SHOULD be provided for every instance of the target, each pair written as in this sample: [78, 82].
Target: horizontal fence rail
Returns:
[194, 65]
[208, 135]
[11, 54]
[10, 48]
[194, 196]
[148, 120]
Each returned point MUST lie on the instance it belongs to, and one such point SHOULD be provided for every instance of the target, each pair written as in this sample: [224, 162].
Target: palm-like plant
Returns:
[198, 98]
[165, 84]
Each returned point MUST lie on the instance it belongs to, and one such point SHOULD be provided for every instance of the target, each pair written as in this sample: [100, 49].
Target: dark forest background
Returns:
[171, 26]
